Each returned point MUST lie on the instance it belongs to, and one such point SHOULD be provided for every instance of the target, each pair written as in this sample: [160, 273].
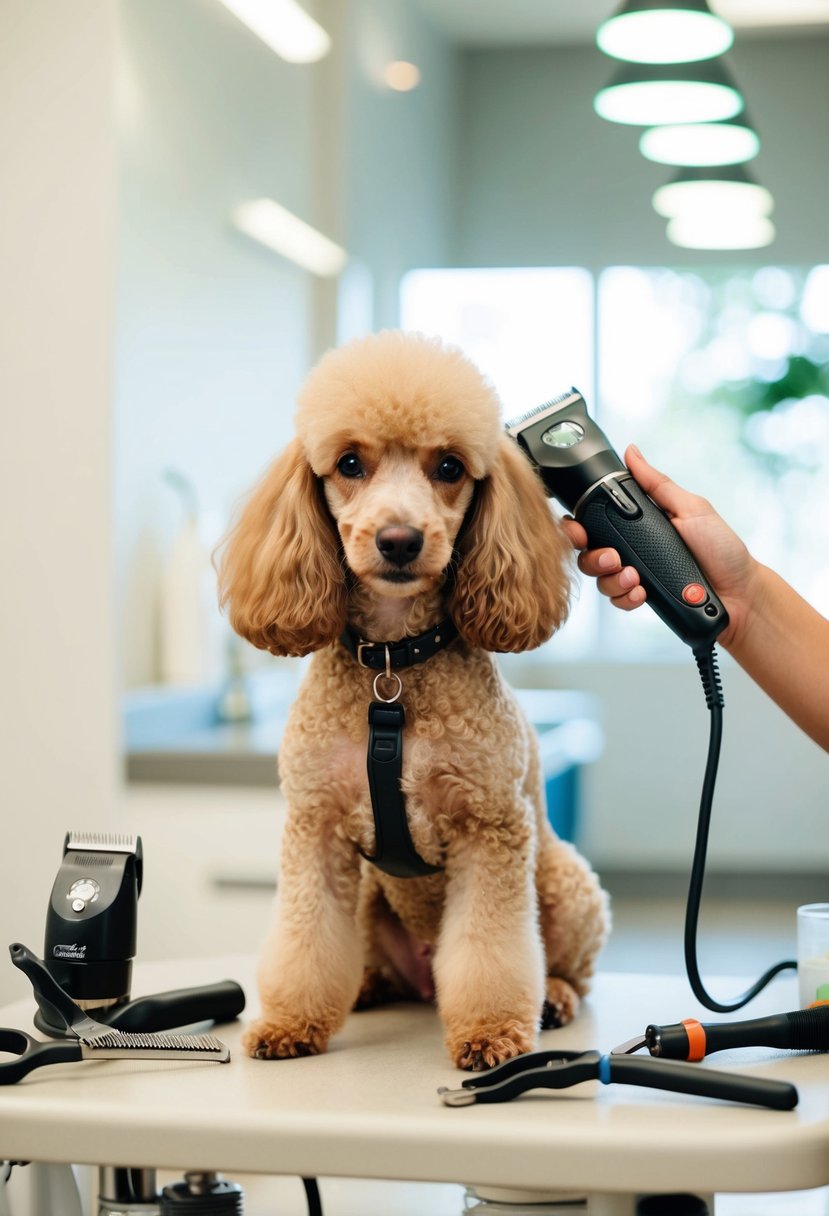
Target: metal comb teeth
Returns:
[122, 1044]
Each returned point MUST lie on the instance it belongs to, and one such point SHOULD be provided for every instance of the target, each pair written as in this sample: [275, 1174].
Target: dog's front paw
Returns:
[487, 1046]
[267, 1041]
[560, 1005]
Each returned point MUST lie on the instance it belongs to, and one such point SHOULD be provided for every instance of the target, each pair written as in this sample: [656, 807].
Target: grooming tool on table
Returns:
[563, 1069]
[801, 1030]
[220, 1002]
[580, 468]
[90, 1040]
[91, 933]
[91, 923]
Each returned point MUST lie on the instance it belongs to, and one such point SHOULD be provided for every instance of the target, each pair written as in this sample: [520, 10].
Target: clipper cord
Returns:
[706, 660]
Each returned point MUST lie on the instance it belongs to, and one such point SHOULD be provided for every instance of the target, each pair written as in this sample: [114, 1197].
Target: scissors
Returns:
[87, 1039]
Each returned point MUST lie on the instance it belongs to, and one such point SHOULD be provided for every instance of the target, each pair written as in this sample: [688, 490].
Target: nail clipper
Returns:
[563, 1069]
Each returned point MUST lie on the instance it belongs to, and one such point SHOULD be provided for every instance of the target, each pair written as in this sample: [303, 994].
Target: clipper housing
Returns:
[91, 923]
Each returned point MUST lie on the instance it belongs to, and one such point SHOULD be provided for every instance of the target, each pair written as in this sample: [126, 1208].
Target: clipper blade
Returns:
[101, 842]
[516, 424]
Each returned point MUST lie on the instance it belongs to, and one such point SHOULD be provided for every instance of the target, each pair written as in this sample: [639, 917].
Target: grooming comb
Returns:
[86, 1038]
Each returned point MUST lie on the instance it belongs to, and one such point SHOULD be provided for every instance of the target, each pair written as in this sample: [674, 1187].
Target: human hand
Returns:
[721, 554]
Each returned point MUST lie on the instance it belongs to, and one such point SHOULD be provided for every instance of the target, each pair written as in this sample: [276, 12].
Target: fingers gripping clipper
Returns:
[580, 468]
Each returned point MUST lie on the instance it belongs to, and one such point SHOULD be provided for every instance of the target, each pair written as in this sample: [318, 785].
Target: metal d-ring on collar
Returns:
[394, 853]
[388, 674]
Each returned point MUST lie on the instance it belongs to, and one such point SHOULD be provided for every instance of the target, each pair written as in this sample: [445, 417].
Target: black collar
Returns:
[383, 656]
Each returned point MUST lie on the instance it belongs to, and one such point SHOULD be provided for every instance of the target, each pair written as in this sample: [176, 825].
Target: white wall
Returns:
[398, 149]
[58, 733]
[213, 329]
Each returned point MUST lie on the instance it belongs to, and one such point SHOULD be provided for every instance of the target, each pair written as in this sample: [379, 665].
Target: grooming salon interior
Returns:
[195, 208]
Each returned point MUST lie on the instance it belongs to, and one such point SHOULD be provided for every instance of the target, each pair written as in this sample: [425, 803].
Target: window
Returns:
[721, 377]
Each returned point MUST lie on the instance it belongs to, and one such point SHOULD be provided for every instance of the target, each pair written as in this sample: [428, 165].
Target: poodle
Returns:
[400, 505]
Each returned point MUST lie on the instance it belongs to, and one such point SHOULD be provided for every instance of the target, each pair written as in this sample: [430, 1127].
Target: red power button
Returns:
[694, 593]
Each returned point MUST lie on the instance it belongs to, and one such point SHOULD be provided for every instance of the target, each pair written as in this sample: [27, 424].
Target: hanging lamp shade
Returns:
[650, 95]
[730, 232]
[729, 141]
[720, 193]
[664, 31]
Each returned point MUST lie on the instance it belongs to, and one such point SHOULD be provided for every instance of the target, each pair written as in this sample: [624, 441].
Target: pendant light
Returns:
[654, 95]
[719, 193]
[729, 141]
[664, 31]
[734, 231]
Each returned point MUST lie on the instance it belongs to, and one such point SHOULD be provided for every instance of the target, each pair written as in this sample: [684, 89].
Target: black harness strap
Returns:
[395, 853]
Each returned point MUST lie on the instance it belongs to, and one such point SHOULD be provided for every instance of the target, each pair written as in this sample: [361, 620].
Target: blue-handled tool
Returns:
[563, 1069]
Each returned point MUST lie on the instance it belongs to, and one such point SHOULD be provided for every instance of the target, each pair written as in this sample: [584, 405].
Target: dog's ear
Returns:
[513, 578]
[279, 568]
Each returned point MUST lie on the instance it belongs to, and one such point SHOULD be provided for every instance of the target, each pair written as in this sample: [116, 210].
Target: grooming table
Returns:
[369, 1108]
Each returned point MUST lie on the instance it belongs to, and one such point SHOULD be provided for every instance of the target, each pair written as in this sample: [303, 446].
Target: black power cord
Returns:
[312, 1194]
[710, 676]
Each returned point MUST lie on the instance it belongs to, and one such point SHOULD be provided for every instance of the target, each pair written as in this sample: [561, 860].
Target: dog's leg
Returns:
[489, 960]
[310, 969]
[574, 916]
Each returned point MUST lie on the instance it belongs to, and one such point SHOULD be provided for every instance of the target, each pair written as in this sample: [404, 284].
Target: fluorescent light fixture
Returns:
[401, 76]
[701, 144]
[265, 221]
[699, 193]
[283, 26]
[734, 231]
[664, 31]
[650, 95]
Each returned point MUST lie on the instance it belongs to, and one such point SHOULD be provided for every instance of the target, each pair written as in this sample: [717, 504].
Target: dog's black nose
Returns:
[399, 544]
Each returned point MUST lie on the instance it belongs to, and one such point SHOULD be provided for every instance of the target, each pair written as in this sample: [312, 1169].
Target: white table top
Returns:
[369, 1107]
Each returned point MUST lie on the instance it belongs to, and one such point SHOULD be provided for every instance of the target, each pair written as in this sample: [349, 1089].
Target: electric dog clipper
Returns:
[91, 923]
[580, 468]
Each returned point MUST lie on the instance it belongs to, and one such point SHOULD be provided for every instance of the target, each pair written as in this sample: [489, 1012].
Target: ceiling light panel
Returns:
[283, 26]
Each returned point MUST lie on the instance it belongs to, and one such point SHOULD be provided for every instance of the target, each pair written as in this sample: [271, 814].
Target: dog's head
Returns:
[400, 479]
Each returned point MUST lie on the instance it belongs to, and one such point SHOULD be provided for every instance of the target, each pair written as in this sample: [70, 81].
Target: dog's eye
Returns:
[449, 469]
[350, 465]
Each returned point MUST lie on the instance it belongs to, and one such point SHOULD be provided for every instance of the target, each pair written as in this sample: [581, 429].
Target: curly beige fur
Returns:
[401, 436]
